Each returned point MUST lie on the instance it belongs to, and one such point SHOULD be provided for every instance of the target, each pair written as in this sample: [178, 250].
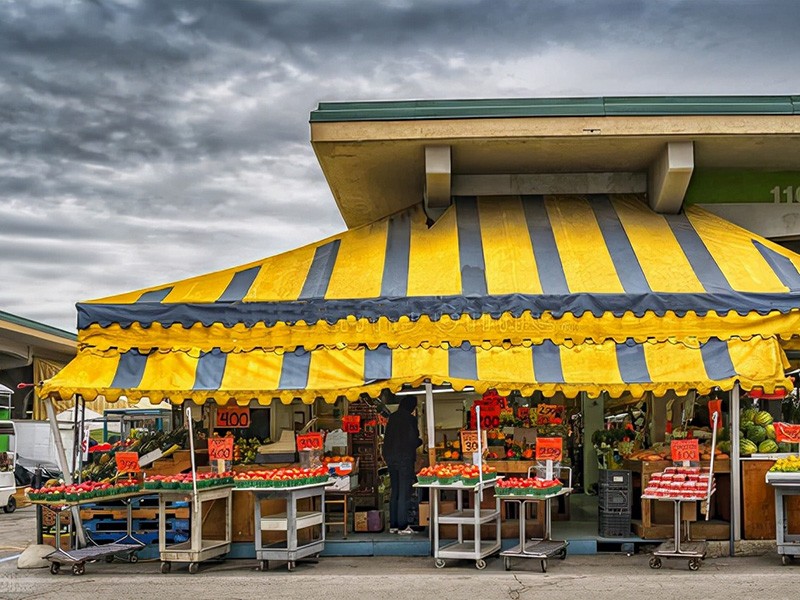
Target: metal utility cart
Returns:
[291, 521]
[540, 549]
[785, 484]
[475, 549]
[198, 548]
[126, 547]
[694, 551]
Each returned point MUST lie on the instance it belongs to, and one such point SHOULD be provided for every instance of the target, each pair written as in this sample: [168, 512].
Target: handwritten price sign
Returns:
[523, 412]
[788, 433]
[309, 441]
[220, 448]
[685, 450]
[351, 423]
[490, 416]
[233, 417]
[127, 462]
[469, 441]
[549, 448]
[549, 414]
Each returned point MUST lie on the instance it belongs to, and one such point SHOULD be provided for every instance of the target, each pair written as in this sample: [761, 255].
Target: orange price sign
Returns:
[788, 433]
[127, 462]
[220, 448]
[351, 423]
[233, 417]
[309, 441]
[549, 448]
[685, 450]
[523, 412]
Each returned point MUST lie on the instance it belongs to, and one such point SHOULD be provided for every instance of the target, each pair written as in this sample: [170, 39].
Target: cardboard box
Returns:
[344, 484]
[424, 514]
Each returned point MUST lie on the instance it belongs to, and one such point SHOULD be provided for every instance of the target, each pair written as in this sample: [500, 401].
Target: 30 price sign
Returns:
[233, 417]
[549, 448]
[685, 450]
[220, 448]
[309, 441]
[787, 433]
[127, 462]
[469, 441]
[351, 423]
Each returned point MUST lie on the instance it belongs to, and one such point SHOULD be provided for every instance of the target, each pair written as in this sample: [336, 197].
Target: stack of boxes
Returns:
[614, 503]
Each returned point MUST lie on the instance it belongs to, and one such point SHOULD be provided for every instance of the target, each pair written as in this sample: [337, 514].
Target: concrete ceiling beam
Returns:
[669, 176]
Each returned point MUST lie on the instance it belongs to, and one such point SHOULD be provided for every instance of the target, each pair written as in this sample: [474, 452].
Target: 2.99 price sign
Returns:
[127, 462]
[220, 448]
[233, 417]
[685, 450]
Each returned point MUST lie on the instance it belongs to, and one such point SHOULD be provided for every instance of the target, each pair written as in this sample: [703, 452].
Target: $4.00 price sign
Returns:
[220, 448]
[787, 433]
[309, 441]
[233, 417]
[127, 462]
[549, 448]
[469, 442]
[685, 450]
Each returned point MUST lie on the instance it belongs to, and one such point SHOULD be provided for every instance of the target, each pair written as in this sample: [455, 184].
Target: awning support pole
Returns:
[61, 455]
[736, 480]
[430, 421]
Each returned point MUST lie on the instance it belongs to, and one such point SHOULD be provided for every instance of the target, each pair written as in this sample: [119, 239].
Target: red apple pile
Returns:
[282, 477]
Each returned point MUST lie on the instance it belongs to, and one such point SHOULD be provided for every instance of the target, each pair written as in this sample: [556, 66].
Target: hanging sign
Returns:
[351, 423]
[523, 412]
[220, 448]
[549, 448]
[469, 441]
[127, 462]
[233, 417]
[685, 450]
[788, 433]
[490, 417]
[309, 441]
[549, 414]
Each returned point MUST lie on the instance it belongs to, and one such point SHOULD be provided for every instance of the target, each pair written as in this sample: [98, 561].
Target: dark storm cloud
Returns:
[143, 142]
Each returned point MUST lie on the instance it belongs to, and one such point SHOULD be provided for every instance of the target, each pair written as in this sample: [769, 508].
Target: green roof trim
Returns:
[409, 110]
[4, 316]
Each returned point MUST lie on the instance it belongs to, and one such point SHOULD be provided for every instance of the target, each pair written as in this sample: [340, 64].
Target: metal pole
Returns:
[430, 421]
[736, 483]
[195, 503]
[61, 455]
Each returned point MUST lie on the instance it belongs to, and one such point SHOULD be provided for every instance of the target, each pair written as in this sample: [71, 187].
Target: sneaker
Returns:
[406, 531]
[393, 530]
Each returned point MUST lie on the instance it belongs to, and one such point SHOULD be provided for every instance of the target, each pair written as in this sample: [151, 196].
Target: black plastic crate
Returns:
[614, 525]
[614, 499]
[613, 479]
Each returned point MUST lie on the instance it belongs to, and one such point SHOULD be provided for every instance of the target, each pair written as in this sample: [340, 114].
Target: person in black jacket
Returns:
[400, 444]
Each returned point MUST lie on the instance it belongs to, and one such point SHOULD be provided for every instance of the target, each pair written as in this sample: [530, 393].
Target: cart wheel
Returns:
[439, 563]
[694, 564]
[11, 506]
[55, 568]
[480, 564]
[562, 554]
[109, 558]
[166, 566]
[506, 563]
[193, 568]
[290, 565]
[544, 566]
[655, 563]
[78, 569]
[263, 565]
[786, 560]
[133, 558]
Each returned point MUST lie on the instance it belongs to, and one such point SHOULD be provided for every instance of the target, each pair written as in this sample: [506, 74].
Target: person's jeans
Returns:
[401, 477]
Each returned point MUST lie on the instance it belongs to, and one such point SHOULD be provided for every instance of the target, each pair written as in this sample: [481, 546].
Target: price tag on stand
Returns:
[127, 462]
[220, 448]
[787, 433]
[549, 448]
[351, 423]
[233, 417]
[685, 450]
[469, 442]
[309, 441]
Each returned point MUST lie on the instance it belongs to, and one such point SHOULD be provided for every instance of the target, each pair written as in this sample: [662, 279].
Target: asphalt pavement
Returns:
[597, 577]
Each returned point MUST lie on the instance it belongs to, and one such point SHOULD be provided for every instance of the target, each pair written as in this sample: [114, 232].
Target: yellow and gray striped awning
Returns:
[550, 293]
[328, 373]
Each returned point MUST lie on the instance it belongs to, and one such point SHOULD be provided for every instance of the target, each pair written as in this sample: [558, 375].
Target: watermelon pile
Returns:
[757, 433]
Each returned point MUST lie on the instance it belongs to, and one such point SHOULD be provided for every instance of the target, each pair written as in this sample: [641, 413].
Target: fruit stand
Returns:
[473, 484]
[784, 477]
[526, 491]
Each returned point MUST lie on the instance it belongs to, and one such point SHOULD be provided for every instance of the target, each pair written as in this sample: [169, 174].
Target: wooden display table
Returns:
[657, 521]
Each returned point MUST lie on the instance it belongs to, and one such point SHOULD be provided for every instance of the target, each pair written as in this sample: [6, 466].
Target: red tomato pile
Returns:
[530, 485]
[282, 477]
[83, 491]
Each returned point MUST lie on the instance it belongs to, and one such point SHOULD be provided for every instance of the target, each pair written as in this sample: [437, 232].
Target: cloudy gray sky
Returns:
[144, 142]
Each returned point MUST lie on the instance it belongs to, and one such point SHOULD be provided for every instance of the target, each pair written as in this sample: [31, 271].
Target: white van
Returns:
[8, 462]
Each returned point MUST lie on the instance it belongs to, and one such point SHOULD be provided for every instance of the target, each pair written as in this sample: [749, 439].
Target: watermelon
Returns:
[770, 431]
[745, 424]
[756, 434]
[762, 418]
[784, 447]
[748, 414]
[768, 447]
[724, 446]
[724, 434]
[746, 448]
